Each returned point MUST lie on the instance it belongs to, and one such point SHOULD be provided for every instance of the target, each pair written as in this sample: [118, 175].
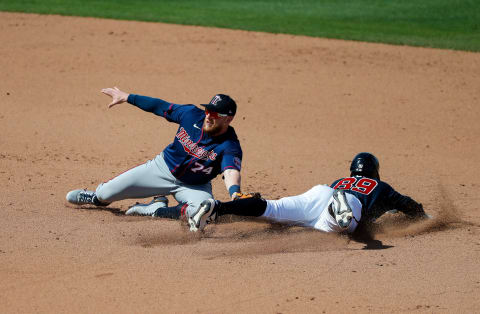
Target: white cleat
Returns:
[81, 197]
[341, 209]
[148, 209]
[205, 213]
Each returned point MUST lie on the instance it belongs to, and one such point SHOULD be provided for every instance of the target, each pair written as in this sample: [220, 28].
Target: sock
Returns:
[254, 207]
[97, 202]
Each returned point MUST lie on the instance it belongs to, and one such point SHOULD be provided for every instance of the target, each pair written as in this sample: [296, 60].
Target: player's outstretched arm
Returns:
[117, 95]
[407, 205]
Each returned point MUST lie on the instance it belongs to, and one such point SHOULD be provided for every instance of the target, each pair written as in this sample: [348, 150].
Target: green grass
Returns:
[450, 24]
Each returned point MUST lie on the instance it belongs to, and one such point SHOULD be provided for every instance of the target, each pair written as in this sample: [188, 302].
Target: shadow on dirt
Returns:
[376, 245]
[113, 210]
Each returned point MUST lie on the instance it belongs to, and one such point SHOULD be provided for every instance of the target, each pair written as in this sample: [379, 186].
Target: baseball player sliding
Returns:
[204, 146]
[345, 206]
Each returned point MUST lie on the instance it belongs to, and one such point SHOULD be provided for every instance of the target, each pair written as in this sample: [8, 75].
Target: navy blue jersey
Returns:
[377, 197]
[193, 157]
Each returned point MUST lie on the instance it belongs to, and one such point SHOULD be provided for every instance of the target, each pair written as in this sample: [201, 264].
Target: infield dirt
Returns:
[306, 107]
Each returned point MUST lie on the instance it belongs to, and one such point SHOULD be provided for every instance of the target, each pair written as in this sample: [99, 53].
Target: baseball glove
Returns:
[239, 195]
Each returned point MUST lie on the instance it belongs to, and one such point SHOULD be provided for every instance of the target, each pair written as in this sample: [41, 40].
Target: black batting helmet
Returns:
[365, 164]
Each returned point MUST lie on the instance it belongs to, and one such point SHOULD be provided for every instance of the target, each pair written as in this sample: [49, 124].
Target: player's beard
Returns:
[212, 130]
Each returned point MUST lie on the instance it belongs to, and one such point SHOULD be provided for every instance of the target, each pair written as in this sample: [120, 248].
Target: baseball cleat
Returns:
[148, 209]
[82, 197]
[204, 214]
[341, 209]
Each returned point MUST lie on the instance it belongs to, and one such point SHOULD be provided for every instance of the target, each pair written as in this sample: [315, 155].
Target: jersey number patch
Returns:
[360, 185]
[200, 167]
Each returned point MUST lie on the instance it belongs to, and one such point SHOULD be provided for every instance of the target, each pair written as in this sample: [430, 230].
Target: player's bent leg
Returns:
[341, 215]
[247, 207]
[341, 209]
[148, 209]
[301, 209]
[172, 212]
[142, 181]
[193, 196]
[209, 210]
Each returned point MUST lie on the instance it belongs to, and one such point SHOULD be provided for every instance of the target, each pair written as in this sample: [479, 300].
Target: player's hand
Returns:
[117, 95]
[427, 216]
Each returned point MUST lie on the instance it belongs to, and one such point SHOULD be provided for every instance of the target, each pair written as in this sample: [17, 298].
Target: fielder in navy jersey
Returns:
[347, 205]
[194, 157]
[204, 146]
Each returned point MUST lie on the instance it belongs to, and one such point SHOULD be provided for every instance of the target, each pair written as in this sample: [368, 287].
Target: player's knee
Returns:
[191, 208]
[192, 205]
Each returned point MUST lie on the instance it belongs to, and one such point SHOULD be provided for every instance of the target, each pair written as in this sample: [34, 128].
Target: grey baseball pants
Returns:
[153, 178]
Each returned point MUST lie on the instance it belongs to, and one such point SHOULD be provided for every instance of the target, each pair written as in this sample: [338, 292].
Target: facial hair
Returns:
[213, 130]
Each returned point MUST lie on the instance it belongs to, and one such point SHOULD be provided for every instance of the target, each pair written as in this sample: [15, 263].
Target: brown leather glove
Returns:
[239, 195]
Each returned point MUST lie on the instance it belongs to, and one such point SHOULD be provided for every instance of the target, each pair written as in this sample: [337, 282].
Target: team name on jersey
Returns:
[192, 148]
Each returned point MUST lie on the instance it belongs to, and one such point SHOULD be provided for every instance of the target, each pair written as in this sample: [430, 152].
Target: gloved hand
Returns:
[239, 195]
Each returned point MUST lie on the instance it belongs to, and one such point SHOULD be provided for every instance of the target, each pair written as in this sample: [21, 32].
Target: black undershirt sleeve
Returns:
[406, 204]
